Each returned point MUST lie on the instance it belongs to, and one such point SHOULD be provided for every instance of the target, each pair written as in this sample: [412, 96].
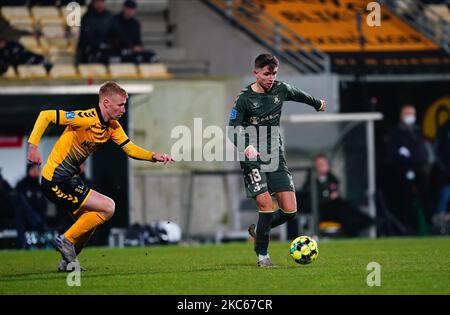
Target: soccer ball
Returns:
[304, 250]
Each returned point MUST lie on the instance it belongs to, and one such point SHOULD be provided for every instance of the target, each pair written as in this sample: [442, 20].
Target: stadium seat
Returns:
[60, 56]
[10, 73]
[440, 9]
[31, 72]
[123, 70]
[404, 6]
[41, 12]
[23, 23]
[154, 70]
[31, 43]
[51, 21]
[435, 12]
[54, 35]
[93, 70]
[63, 71]
[15, 12]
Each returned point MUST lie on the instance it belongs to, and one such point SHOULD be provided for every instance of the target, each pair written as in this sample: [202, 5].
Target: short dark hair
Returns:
[266, 60]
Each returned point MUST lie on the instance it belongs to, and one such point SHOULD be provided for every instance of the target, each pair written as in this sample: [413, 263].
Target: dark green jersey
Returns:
[253, 110]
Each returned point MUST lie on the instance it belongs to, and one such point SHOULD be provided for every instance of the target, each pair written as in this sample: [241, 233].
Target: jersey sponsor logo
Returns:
[233, 114]
[270, 117]
[70, 115]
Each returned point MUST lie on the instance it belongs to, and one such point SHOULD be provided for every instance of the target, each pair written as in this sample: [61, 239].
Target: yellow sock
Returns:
[85, 223]
[82, 241]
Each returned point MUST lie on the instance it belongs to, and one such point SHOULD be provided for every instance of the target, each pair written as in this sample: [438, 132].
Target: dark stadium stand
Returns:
[399, 46]
[49, 35]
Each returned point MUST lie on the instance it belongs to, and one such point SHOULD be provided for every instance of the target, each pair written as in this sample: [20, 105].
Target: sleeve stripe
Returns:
[124, 143]
[57, 116]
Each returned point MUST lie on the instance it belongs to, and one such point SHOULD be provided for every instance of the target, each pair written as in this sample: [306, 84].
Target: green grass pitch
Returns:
[408, 266]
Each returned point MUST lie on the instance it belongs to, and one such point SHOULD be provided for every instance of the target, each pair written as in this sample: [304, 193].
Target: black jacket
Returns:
[409, 138]
[442, 149]
[95, 29]
[126, 33]
[31, 190]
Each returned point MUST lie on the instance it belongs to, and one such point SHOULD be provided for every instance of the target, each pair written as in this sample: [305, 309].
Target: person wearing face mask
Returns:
[407, 160]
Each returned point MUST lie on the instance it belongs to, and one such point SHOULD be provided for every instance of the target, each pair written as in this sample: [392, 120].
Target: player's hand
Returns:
[33, 155]
[163, 158]
[251, 153]
[323, 107]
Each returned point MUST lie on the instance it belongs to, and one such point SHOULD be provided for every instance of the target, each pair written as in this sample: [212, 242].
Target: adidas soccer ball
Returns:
[304, 250]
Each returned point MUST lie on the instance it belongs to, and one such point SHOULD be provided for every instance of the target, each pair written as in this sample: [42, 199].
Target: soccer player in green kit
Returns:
[255, 119]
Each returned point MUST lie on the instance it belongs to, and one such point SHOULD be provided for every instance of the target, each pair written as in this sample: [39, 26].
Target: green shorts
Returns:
[257, 182]
[70, 194]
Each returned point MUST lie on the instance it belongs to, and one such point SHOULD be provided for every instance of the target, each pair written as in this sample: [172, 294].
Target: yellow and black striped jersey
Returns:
[85, 131]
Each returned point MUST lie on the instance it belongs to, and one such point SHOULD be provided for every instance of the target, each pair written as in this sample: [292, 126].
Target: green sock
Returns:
[279, 217]
[262, 232]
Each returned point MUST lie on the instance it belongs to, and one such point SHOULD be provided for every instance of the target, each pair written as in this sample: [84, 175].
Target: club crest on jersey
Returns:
[276, 100]
[70, 115]
[254, 120]
[233, 114]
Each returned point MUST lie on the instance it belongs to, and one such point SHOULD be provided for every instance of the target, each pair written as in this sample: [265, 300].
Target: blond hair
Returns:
[110, 88]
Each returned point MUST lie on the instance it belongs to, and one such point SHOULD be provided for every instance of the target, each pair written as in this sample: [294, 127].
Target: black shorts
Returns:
[70, 194]
[257, 182]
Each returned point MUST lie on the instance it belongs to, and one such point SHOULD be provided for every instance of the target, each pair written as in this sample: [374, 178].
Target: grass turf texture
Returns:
[408, 266]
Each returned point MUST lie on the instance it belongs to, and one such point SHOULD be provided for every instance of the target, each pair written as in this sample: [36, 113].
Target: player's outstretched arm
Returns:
[33, 155]
[163, 158]
[323, 107]
[44, 119]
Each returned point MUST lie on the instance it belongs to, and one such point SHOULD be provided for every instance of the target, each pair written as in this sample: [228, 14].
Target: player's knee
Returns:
[290, 207]
[109, 208]
[265, 206]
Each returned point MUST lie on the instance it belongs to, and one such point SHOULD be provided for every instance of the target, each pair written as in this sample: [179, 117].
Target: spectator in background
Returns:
[7, 32]
[6, 209]
[332, 207]
[407, 160]
[16, 212]
[12, 53]
[30, 188]
[93, 44]
[442, 149]
[126, 36]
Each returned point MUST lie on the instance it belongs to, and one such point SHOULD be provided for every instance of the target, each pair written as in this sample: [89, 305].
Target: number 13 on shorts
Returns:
[255, 179]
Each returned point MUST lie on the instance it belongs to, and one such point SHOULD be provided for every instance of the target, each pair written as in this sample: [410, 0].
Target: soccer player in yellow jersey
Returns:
[85, 131]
